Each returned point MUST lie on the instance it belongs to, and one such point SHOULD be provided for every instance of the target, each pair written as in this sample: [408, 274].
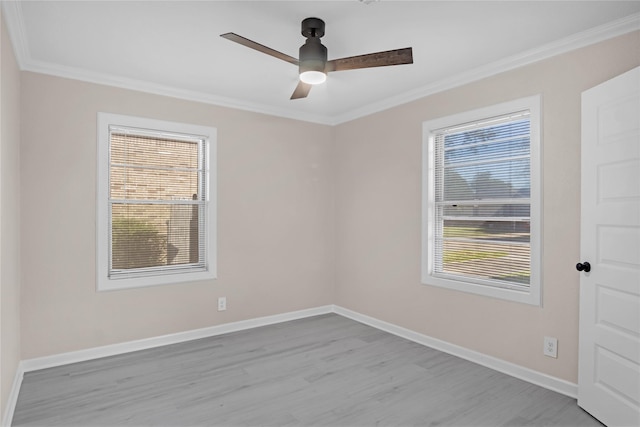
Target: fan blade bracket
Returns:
[259, 47]
[370, 60]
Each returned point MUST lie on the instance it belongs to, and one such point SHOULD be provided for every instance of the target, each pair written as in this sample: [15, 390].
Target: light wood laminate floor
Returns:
[325, 370]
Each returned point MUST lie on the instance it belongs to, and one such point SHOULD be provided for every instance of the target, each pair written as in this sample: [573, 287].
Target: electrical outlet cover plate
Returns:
[222, 303]
[551, 347]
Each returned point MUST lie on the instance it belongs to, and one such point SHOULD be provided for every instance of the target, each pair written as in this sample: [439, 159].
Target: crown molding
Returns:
[564, 45]
[15, 25]
[164, 90]
[12, 12]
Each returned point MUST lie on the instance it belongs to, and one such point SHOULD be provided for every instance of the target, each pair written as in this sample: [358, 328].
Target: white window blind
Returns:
[482, 201]
[157, 202]
[481, 216]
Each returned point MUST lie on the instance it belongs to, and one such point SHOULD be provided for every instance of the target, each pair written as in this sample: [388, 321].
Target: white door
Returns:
[609, 354]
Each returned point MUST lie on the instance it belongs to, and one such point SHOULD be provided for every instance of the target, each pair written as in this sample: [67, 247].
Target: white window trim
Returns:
[533, 295]
[103, 281]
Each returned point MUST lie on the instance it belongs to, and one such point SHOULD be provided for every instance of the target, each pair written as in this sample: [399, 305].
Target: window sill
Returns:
[107, 284]
[515, 295]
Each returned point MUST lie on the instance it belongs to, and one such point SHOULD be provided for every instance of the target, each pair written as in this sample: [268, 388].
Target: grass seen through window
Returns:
[485, 251]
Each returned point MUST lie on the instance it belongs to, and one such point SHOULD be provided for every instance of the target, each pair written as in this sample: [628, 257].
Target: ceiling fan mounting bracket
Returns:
[313, 27]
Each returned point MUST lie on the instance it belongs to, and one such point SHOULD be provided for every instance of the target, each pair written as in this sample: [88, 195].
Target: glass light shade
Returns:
[313, 77]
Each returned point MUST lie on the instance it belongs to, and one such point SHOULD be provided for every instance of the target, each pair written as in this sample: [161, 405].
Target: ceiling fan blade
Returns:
[378, 59]
[301, 91]
[260, 48]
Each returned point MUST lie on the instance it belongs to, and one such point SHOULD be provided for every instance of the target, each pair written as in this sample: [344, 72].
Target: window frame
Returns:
[532, 295]
[103, 221]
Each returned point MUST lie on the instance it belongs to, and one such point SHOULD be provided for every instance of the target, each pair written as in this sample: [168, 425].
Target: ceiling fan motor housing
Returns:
[313, 55]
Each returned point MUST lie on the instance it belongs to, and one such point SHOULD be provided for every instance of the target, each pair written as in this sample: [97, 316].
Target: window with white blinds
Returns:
[482, 202]
[155, 209]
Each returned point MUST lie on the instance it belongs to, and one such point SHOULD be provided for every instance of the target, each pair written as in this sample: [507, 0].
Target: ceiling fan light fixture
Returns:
[313, 77]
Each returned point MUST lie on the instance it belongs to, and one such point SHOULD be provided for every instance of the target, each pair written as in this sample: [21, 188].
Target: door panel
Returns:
[609, 358]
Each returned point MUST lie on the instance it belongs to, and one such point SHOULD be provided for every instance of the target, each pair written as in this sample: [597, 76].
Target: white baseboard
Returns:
[144, 344]
[12, 400]
[543, 380]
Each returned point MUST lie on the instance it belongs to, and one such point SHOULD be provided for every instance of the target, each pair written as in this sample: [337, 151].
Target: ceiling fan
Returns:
[313, 64]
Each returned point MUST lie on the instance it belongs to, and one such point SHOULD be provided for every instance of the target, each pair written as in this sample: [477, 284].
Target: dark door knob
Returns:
[583, 266]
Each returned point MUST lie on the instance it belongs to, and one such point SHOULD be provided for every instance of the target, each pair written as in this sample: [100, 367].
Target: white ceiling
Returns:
[174, 48]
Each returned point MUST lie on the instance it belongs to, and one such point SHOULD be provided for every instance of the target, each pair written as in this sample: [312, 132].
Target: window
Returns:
[481, 201]
[156, 202]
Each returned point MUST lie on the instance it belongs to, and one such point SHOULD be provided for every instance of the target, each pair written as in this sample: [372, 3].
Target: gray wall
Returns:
[9, 216]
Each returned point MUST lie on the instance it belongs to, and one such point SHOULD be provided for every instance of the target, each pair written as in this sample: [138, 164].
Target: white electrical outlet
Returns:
[222, 303]
[551, 347]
